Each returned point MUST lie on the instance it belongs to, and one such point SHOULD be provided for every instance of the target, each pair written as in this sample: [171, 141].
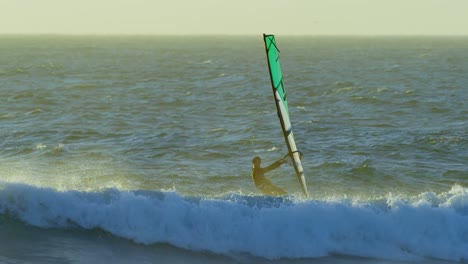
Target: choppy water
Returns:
[150, 139]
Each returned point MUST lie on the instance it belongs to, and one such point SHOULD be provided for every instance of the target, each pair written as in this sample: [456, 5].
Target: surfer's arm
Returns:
[274, 165]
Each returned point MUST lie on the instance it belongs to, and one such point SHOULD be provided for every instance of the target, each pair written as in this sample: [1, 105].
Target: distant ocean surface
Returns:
[138, 150]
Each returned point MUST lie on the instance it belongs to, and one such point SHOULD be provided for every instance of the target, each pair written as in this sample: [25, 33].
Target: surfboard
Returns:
[279, 93]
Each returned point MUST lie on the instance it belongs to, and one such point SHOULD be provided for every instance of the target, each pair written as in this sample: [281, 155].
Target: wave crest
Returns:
[426, 226]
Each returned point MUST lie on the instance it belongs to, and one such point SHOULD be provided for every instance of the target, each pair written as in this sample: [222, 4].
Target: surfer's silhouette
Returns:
[262, 183]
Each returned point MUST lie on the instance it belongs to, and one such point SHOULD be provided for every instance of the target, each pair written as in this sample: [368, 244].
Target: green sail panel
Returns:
[279, 93]
[275, 68]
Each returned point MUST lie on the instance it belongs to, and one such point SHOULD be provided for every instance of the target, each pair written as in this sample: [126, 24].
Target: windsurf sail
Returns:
[279, 93]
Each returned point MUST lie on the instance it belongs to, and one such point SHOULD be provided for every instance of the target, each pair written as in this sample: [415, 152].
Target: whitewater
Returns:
[425, 226]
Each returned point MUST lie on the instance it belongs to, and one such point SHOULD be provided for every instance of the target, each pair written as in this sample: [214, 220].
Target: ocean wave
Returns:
[429, 225]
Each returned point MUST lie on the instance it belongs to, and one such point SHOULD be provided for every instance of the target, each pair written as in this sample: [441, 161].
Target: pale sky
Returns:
[235, 17]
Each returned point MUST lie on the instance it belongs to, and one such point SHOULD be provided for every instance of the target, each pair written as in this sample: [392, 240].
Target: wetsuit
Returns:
[263, 184]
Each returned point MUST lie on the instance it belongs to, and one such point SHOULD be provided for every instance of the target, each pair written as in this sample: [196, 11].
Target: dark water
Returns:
[150, 139]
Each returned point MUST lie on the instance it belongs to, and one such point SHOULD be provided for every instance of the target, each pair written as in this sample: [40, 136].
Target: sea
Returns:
[138, 149]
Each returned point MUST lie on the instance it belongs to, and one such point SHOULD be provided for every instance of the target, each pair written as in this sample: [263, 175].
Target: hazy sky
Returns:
[287, 17]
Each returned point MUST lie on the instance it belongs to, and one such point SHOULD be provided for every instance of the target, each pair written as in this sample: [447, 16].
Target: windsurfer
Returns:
[262, 183]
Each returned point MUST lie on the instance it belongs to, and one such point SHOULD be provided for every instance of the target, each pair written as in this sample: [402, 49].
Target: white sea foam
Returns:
[427, 226]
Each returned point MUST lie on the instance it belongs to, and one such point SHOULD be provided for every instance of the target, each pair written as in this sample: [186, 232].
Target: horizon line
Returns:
[222, 35]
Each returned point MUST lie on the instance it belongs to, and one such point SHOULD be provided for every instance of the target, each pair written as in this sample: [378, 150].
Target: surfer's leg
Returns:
[279, 191]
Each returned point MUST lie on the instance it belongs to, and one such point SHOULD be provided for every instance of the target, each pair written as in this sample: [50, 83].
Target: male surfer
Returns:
[262, 183]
